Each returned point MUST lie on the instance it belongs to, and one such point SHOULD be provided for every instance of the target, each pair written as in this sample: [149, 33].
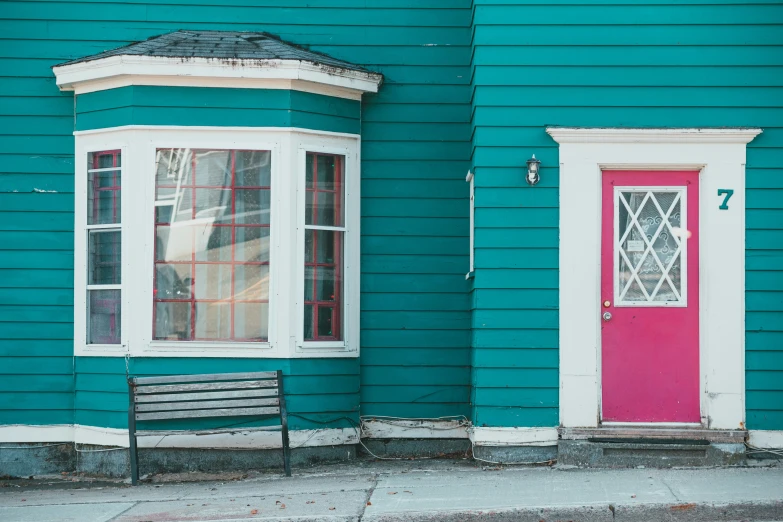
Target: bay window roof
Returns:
[212, 54]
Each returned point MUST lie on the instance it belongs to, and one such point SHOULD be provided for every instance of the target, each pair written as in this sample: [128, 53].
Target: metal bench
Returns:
[258, 394]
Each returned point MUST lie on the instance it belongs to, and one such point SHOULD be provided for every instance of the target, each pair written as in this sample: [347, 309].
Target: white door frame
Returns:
[719, 155]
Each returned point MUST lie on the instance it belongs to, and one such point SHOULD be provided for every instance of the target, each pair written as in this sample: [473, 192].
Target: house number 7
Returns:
[728, 193]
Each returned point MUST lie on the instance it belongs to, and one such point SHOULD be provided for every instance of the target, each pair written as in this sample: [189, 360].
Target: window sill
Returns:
[102, 350]
[206, 346]
[325, 349]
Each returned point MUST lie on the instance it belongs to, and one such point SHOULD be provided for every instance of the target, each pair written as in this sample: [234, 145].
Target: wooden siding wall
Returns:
[319, 392]
[151, 105]
[416, 132]
[611, 63]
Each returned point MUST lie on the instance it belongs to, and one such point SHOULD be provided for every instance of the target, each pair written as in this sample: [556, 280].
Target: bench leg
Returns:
[284, 425]
[133, 453]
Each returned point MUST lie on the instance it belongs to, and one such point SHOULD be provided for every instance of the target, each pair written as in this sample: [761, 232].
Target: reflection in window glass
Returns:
[212, 217]
[104, 320]
[324, 239]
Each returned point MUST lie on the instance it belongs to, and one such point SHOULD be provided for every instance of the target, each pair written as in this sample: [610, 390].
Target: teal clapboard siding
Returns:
[319, 392]
[415, 152]
[202, 106]
[590, 63]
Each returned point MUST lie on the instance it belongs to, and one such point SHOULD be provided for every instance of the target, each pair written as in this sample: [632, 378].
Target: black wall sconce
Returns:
[532, 171]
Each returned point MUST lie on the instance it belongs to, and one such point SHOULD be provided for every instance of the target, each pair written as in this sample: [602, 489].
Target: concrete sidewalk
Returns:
[433, 490]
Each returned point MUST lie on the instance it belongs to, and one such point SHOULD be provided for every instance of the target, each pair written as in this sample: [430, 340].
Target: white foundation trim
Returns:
[119, 71]
[719, 155]
[375, 428]
[513, 436]
[766, 439]
[96, 436]
[27, 433]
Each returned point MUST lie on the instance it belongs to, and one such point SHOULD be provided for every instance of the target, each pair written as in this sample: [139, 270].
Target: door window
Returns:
[650, 246]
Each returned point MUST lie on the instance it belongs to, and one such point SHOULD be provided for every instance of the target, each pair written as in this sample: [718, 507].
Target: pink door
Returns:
[650, 297]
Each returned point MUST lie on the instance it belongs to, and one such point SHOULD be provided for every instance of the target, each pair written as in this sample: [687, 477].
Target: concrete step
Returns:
[651, 453]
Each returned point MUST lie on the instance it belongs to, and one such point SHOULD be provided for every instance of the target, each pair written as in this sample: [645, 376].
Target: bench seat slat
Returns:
[226, 412]
[236, 394]
[203, 405]
[170, 379]
[205, 386]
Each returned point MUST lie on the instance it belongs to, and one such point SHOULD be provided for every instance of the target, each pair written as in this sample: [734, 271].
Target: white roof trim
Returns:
[615, 135]
[261, 74]
[207, 128]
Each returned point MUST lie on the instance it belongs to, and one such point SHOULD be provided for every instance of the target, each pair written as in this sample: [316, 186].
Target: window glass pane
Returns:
[251, 282]
[172, 167]
[213, 168]
[104, 317]
[326, 280]
[104, 263]
[251, 321]
[326, 169]
[212, 206]
[213, 321]
[252, 244]
[172, 321]
[173, 243]
[213, 281]
[212, 244]
[252, 206]
[309, 322]
[253, 168]
[103, 188]
[325, 197]
[326, 321]
[173, 281]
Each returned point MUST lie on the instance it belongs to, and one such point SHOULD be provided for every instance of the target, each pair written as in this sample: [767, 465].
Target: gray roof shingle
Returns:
[221, 45]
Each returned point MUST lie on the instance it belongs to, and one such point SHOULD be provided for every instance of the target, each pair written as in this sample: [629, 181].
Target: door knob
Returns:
[607, 316]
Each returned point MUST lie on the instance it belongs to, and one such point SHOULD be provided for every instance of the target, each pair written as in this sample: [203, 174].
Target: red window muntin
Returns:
[106, 181]
[323, 310]
[193, 185]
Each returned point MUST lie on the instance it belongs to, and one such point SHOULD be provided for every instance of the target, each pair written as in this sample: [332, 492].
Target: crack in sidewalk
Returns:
[118, 515]
[368, 496]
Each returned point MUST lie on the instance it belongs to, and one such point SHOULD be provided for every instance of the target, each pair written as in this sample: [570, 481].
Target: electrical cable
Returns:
[756, 450]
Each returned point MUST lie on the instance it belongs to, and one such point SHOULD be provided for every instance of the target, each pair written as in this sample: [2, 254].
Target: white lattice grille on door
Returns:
[650, 246]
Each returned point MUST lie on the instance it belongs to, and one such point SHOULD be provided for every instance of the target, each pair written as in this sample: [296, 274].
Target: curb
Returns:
[694, 512]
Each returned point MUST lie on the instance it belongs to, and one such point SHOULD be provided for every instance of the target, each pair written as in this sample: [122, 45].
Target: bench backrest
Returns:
[208, 395]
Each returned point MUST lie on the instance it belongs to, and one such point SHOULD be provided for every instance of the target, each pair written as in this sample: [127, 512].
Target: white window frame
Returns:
[719, 156]
[81, 248]
[351, 254]
[286, 290]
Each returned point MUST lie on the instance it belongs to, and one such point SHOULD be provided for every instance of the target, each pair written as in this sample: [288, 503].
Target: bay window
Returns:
[218, 243]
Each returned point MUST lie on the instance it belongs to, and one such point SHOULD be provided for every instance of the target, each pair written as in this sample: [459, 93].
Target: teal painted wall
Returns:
[415, 152]
[319, 392]
[148, 105]
[582, 63]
